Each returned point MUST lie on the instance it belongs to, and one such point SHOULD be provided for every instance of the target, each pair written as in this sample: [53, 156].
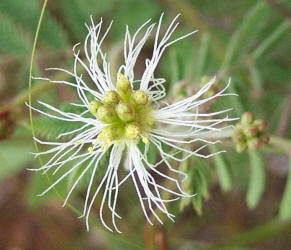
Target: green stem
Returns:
[281, 143]
[285, 206]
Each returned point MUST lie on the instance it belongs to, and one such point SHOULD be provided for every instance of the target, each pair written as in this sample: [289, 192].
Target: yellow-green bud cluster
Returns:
[126, 113]
[250, 133]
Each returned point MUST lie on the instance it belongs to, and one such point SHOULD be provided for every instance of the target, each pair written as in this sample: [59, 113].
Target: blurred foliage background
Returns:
[244, 199]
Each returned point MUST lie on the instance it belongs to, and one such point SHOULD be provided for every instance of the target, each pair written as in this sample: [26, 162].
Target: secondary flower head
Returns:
[123, 116]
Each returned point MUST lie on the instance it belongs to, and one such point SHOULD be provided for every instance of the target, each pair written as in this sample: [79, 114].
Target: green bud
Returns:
[240, 147]
[139, 97]
[261, 125]
[254, 143]
[247, 118]
[111, 97]
[265, 139]
[133, 131]
[106, 114]
[238, 126]
[93, 107]
[238, 136]
[122, 84]
[125, 112]
[251, 131]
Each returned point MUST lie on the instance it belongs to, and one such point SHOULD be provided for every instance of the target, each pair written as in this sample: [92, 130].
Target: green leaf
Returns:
[15, 155]
[285, 206]
[175, 71]
[50, 128]
[77, 13]
[37, 184]
[152, 150]
[126, 13]
[197, 204]
[223, 170]
[12, 39]
[152, 153]
[200, 61]
[26, 14]
[202, 175]
[271, 39]
[243, 38]
[257, 180]
[256, 78]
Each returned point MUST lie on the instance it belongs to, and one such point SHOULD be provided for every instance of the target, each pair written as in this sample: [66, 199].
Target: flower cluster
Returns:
[250, 133]
[128, 112]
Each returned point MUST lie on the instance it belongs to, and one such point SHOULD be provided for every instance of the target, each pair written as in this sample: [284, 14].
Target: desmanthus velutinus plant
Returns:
[121, 115]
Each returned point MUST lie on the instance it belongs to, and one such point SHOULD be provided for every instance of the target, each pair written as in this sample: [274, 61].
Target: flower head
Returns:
[123, 114]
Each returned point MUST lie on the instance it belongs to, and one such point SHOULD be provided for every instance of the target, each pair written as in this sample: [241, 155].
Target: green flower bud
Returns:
[238, 136]
[261, 125]
[132, 131]
[108, 135]
[106, 114]
[125, 112]
[93, 107]
[122, 84]
[251, 131]
[254, 143]
[111, 97]
[247, 118]
[238, 126]
[139, 97]
[265, 139]
[240, 147]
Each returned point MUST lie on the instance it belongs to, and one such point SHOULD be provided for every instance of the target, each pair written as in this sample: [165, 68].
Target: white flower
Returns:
[126, 114]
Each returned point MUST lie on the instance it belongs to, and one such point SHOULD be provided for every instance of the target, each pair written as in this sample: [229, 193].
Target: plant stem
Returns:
[281, 143]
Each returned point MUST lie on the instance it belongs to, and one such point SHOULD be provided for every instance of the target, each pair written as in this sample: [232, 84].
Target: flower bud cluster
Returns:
[250, 133]
[125, 112]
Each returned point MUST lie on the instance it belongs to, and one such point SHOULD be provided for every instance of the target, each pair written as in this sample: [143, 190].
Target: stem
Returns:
[281, 143]
[30, 72]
